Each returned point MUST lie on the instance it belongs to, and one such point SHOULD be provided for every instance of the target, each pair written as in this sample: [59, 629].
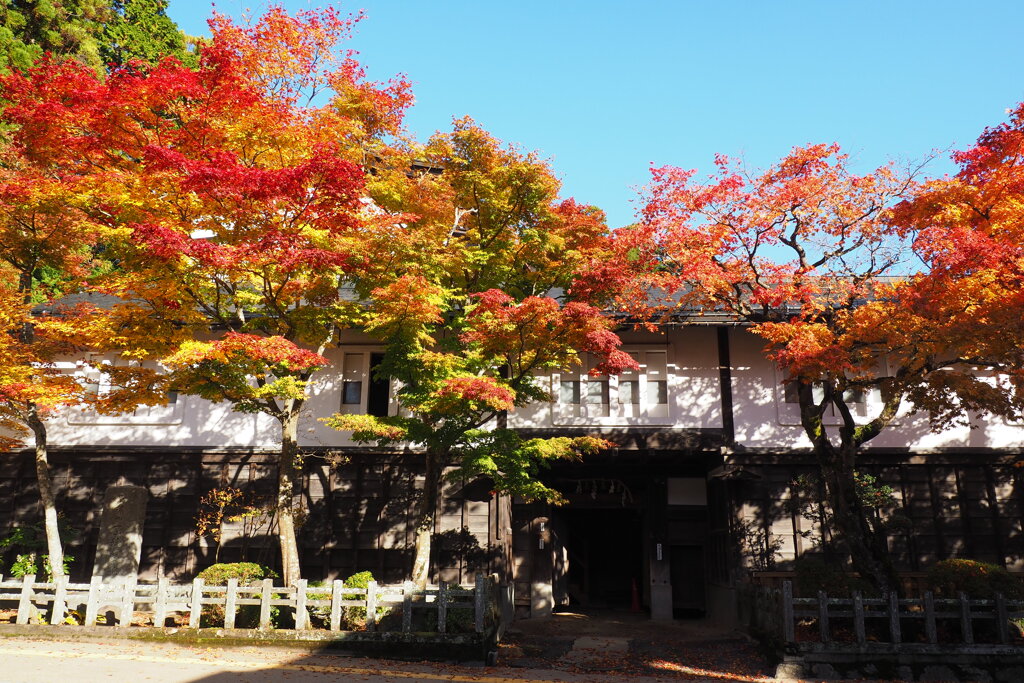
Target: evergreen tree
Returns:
[28, 28]
[141, 29]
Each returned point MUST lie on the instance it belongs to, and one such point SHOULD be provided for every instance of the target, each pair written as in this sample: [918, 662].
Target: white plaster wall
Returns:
[694, 394]
[762, 420]
[694, 403]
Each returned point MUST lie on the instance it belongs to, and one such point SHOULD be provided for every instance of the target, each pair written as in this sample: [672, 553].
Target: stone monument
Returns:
[119, 548]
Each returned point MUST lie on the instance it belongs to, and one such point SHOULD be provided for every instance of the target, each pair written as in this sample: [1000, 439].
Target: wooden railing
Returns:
[164, 599]
[888, 619]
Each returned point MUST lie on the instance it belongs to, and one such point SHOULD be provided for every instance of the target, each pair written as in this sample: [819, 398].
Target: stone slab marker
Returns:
[119, 549]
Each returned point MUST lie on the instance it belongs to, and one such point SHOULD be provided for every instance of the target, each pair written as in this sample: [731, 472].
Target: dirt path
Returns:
[632, 644]
[25, 660]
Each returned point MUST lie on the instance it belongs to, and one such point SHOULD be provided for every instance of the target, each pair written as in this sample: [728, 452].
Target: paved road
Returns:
[37, 661]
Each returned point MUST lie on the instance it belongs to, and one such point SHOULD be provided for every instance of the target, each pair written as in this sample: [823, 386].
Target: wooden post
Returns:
[442, 606]
[265, 597]
[127, 603]
[196, 605]
[336, 598]
[858, 618]
[301, 615]
[92, 603]
[788, 627]
[231, 603]
[929, 618]
[1002, 619]
[966, 627]
[823, 628]
[371, 606]
[895, 630]
[25, 601]
[60, 599]
[160, 608]
[407, 607]
[479, 602]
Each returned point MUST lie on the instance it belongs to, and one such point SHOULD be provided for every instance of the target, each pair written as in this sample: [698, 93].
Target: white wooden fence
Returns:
[164, 599]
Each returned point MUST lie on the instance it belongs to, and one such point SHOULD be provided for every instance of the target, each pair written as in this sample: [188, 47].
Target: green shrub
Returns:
[814, 574]
[353, 618]
[25, 548]
[38, 565]
[320, 617]
[949, 578]
[247, 573]
[424, 618]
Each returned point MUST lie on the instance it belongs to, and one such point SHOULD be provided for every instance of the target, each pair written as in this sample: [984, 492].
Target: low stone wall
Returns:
[905, 662]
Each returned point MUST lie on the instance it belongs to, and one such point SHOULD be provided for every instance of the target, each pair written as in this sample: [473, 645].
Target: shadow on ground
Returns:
[630, 643]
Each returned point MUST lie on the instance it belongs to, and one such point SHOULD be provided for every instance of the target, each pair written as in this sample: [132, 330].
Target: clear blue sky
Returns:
[603, 89]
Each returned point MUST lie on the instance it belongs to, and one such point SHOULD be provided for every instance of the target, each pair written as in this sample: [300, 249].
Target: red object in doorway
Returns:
[635, 606]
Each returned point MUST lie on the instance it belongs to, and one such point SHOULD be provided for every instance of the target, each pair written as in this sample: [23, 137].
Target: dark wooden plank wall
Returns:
[951, 509]
[359, 511]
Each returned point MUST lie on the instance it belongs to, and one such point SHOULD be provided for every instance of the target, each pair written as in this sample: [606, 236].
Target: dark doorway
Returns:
[687, 571]
[378, 397]
[604, 549]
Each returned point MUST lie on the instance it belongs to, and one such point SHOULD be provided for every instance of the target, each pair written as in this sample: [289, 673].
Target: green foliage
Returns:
[355, 616]
[949, 578]
[806, 500]
[370, 428]
[27, 545]
[1019, 625]
[513, 463]
[246, 572]
[71, 28]
[814, 574]
[141, 29]
[34, 564]
[758, 545]
[424, 620]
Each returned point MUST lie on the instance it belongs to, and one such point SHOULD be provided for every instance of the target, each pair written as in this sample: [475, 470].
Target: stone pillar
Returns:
[542, 601]
[119, 549]
[661, 571]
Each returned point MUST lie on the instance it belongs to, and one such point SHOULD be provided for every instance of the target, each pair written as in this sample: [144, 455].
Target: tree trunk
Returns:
[54, 549]
[867, 546]
[286, 497]
[425, 518]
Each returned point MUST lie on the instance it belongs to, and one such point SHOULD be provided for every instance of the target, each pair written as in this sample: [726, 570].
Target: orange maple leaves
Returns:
[788, 250]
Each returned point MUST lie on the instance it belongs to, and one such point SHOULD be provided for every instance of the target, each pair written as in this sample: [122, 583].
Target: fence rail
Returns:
[890, 618]
[164, 599]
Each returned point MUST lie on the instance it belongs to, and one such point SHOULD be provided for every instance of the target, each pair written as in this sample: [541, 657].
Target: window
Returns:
[851, 396]
[362, 391]
[632, 397]
[89, 373]
[862, 402]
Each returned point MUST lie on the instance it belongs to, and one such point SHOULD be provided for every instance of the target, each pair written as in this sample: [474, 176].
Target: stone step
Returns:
[595, 652]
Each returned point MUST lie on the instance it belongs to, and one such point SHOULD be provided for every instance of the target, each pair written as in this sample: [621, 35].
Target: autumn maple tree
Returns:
[805, 254]
[52, 237]
[244, 208]
[475, 300]
[44, 248]
[970, 299]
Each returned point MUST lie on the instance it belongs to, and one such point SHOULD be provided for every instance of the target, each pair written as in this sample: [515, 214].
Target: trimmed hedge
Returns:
[949, 578]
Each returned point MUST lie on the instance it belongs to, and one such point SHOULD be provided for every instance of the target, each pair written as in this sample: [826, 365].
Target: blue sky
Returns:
[604, 90]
